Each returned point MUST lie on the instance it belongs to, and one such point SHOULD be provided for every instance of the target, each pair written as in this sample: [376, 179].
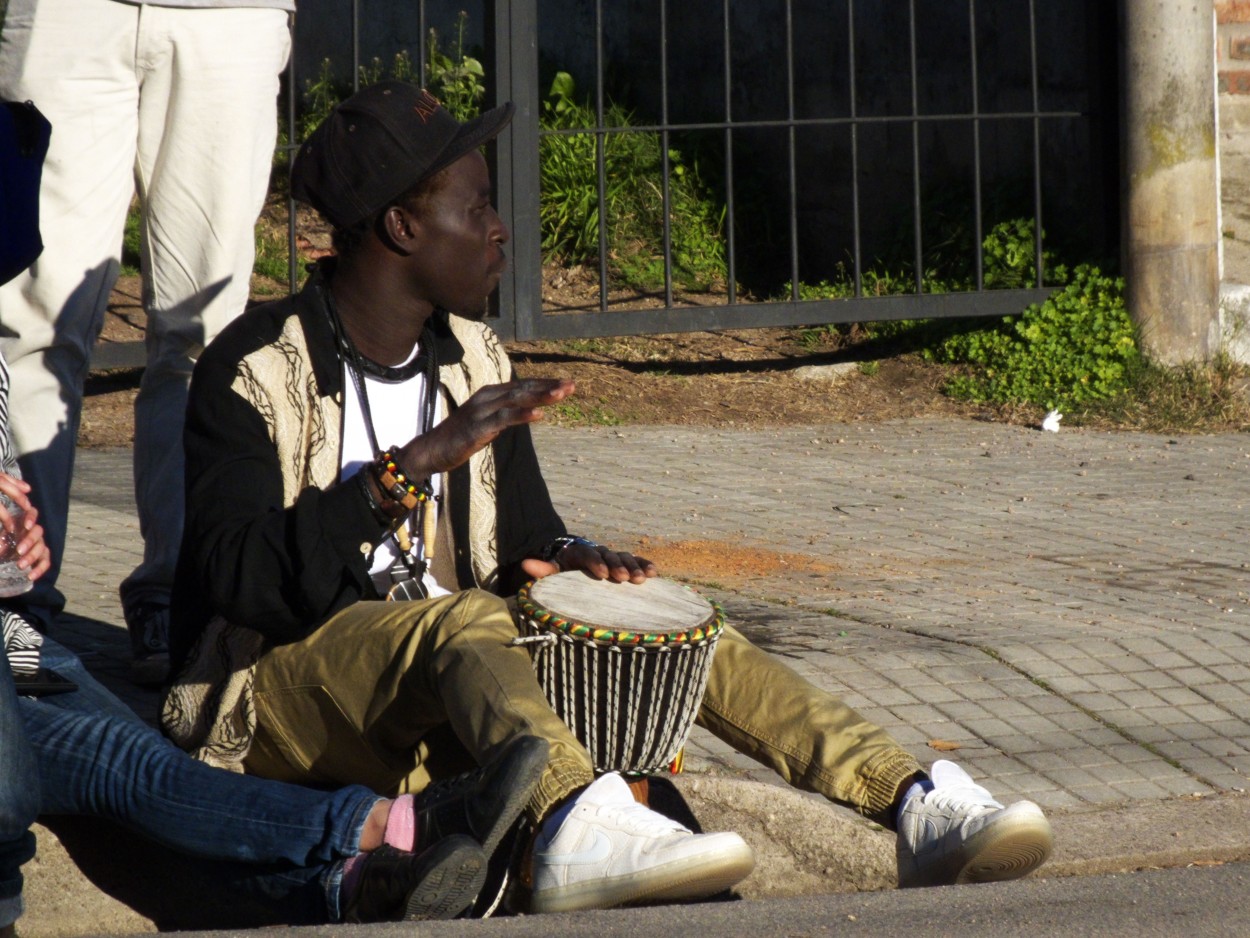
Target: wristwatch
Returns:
[552, 550]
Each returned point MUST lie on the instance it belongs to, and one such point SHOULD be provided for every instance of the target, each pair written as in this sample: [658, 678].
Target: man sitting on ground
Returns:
[284, 853]
[303, 512]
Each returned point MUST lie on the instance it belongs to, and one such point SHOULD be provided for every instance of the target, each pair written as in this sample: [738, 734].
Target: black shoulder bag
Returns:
[24, 134]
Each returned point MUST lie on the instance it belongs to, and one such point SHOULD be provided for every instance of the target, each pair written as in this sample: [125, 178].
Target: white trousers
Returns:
[180, 104]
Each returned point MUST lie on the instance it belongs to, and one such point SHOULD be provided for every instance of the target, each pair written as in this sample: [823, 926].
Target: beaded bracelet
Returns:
[396, 486]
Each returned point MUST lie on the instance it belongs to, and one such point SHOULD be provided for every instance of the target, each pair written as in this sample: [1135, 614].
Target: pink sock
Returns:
[401, 826]
[401, 833]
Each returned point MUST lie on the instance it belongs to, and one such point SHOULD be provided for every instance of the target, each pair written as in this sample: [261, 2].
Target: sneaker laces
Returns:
[962, 798]
[954, 788]
[611, 795]
[641, 820]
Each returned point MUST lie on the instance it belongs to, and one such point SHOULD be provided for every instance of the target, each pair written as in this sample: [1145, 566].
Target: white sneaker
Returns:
[609, 850]
[958, 833]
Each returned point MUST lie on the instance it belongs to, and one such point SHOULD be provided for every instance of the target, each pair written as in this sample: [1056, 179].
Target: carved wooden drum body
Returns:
[625, 665]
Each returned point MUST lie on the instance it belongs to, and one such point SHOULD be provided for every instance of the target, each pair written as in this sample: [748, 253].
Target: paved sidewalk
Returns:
[1071, 610]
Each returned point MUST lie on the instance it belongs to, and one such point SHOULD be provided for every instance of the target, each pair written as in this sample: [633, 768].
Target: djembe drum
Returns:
[625, 665]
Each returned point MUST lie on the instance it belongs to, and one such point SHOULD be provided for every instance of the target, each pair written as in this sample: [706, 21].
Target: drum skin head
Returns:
[656, 605]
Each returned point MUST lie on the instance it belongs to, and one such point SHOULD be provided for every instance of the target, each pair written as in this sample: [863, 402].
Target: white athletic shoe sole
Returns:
[1013, 845]
[1016, 842]
[726, 862]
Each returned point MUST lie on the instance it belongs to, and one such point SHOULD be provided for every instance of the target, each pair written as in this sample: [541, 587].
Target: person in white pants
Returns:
[175, 99]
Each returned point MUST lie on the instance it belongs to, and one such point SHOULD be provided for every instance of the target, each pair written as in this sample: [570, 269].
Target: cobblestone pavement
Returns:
[1071, 610]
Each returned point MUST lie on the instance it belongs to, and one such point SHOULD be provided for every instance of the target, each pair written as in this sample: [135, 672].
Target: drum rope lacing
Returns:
[626, 736]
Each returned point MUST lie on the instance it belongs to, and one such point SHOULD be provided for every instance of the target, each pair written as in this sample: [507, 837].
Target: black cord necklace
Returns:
[357, 366]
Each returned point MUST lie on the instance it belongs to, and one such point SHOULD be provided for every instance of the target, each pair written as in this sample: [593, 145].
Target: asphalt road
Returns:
[1197, 901]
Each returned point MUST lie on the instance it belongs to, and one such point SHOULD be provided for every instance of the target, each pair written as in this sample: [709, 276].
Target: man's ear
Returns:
[400, 229]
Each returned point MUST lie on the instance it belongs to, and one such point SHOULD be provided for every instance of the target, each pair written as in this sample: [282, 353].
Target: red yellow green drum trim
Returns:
[547, 619]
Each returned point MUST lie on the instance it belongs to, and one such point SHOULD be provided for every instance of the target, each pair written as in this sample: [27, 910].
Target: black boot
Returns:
[483, 803]
[439, 883]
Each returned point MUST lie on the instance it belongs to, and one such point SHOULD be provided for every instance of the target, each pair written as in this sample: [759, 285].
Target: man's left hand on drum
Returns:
[596, 561]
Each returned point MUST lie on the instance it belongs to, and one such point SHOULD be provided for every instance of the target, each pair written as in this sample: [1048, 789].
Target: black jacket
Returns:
[282, 567]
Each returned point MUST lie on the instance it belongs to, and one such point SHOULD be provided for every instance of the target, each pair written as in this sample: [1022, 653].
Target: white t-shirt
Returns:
[396, 407]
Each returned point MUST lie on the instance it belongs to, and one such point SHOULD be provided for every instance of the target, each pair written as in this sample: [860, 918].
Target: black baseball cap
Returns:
[379, 143]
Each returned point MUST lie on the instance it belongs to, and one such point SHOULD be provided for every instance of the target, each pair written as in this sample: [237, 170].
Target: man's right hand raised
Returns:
[476, 423]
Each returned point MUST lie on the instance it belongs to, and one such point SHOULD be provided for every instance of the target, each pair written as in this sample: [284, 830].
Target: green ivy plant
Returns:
[1080, 345]
[1008, 262]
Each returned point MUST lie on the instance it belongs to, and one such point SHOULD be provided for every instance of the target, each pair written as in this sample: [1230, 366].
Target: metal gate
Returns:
[869, 125]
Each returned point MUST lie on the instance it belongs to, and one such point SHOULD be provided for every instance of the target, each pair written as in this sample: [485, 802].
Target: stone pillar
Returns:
[1171, 204]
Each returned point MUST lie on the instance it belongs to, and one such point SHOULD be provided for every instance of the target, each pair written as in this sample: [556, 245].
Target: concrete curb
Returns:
[804, 846]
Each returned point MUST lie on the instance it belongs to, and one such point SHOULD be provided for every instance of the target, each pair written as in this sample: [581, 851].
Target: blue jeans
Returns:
[19, 801]
[96, 758]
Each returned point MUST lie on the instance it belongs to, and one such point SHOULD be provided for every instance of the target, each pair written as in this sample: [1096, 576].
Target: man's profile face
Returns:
[461, 256]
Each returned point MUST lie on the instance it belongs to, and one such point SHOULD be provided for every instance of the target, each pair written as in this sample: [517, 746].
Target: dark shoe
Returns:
[440, 883]
[148, 624]
[483, 803]
[499, 892]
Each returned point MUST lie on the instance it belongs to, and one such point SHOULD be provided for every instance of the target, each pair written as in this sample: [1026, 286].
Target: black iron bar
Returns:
[601, 160]
[665, 191]
[831, 121]
[790, 142]
[854, 125]
[976, 146]
[731, 274]
[1037, 147]
[915, 147]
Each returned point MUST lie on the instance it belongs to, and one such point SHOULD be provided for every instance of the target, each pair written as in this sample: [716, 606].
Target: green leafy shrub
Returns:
[1007, 260]
[272, 259]
[1007, 263]
[873, 282]
[633, 198]
[454, 76]
[1079, 345]
[132, 241]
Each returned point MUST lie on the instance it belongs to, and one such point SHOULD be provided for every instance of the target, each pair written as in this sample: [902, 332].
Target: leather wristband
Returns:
[396, 491]
[380, 514]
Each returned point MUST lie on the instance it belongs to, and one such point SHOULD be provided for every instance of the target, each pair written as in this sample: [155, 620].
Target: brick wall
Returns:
[1232, 46]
